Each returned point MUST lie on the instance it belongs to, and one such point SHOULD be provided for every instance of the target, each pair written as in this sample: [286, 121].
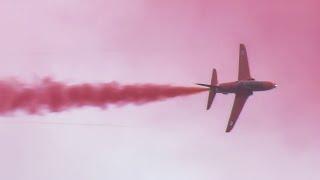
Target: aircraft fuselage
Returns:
[243, 88]
[251, 85]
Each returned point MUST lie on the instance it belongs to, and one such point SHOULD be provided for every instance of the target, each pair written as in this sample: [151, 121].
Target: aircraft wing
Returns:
[244, 70]
[238, 104]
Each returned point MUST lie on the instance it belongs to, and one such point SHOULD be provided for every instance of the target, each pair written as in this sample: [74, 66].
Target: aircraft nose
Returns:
[270, 85]
[274, 85]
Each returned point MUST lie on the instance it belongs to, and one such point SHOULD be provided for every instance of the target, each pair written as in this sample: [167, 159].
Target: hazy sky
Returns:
[172, 42]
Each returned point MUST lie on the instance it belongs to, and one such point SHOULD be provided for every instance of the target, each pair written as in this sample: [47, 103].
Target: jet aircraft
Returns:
[242, 88]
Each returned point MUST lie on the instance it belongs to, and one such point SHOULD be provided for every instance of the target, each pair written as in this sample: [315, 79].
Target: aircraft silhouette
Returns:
[243, 88]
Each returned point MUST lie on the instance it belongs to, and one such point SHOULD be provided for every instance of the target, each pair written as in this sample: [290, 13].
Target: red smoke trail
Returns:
[57, 96]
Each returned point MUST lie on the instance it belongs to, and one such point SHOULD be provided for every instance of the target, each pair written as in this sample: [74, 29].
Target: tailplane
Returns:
[212, 88]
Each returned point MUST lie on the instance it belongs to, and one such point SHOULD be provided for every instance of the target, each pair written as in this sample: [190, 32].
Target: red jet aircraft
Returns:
[243, 88]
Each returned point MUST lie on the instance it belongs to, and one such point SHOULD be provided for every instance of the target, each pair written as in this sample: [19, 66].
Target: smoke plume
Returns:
[57, 96]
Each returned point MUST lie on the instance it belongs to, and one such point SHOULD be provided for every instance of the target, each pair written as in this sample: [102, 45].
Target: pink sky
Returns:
[176, 42]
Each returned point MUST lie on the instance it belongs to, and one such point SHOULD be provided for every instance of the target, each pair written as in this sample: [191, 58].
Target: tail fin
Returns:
[212, 88]
[213, 85]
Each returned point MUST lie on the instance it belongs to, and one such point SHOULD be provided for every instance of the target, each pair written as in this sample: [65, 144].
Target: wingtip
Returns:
[229, 128]
[208, 106]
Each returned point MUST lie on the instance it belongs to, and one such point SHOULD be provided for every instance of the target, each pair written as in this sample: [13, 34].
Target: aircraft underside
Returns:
[243, 88]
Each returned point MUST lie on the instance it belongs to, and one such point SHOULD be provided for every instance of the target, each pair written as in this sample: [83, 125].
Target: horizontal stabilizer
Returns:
[214, 78]
[212, 94]
[212, 88]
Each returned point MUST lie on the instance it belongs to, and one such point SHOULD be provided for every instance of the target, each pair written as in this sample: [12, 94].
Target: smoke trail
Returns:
[57, 96]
